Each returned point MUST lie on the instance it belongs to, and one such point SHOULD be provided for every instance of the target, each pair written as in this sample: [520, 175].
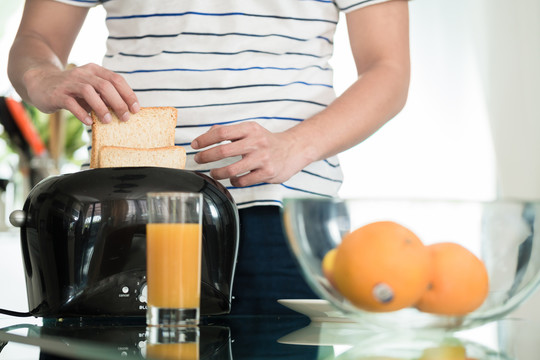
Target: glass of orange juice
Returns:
[172, 343]
[173, 258]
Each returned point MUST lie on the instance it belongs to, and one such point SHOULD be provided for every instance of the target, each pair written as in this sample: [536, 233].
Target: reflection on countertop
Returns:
[218, 338]
[266, 337]
[258, 337]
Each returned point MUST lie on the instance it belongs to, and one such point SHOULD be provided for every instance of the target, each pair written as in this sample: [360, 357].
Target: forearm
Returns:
[375, 98]
[30, 56]
[370, 102]
[37, 66]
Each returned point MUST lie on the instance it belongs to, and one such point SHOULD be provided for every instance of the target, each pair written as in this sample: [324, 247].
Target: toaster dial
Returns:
[143, 293]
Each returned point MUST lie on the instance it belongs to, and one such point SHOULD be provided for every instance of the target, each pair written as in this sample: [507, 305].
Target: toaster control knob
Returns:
[17, 218]
[144, 294]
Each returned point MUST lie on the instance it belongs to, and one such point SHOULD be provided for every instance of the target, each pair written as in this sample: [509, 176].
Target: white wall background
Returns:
[506, 38]
[440, 145]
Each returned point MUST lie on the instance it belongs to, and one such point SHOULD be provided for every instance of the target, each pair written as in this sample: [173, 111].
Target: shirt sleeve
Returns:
[350, 5]
[82, 3]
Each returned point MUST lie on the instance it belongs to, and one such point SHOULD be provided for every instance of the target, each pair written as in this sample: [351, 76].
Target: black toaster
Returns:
[83, 240]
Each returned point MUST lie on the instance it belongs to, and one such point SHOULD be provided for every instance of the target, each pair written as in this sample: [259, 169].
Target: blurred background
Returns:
[470, 129]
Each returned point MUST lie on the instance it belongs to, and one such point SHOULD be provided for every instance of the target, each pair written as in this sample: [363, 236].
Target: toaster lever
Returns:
[17, 218]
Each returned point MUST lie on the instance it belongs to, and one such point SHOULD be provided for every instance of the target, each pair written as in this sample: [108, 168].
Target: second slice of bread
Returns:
[151, 127]
[169, 156]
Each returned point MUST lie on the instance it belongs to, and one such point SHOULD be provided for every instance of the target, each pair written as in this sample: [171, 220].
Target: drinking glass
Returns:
[173, 256]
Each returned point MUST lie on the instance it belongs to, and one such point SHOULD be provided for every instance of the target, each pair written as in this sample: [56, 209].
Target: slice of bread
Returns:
[151, 127]
[169, 156]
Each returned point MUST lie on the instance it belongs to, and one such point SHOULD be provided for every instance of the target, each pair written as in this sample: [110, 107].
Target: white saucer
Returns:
[331, 333]
[316, 310]
[328, 326]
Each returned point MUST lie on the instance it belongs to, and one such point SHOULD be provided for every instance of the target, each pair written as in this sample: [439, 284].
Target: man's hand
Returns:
[265, 156]
[80, 90]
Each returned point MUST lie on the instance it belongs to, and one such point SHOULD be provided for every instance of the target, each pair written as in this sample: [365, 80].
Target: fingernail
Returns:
[135, 107]
[88, 120]
[195, 144]
[125, 117]
[196, 158]
[107, 118]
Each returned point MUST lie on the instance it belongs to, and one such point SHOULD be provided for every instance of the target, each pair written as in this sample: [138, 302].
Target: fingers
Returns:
[118, 94]
[81, 90]
[220, 133]
[84, 89]
[238, 168]
[248, 179]
[232, 140]
[243, 173]
[251, 142]
[78, 111]
[103, 89]
[223, 151]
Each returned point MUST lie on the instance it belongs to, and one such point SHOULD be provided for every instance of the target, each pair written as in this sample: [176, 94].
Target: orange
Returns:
[382, 266]
[328, 265]
[459, 284]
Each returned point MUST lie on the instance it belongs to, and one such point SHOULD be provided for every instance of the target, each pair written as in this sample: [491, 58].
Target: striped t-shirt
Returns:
[229, 61]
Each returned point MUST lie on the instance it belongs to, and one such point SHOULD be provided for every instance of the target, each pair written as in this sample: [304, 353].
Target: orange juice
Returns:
[173, 268]
[183, 351]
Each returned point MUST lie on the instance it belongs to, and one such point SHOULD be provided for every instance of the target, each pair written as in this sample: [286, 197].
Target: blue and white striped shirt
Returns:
[228, 61]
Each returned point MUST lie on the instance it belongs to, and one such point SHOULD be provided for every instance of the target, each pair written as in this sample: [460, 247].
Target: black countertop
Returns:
[266, 337]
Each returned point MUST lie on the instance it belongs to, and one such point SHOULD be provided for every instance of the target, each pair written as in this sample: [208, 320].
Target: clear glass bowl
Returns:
[501, 233]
